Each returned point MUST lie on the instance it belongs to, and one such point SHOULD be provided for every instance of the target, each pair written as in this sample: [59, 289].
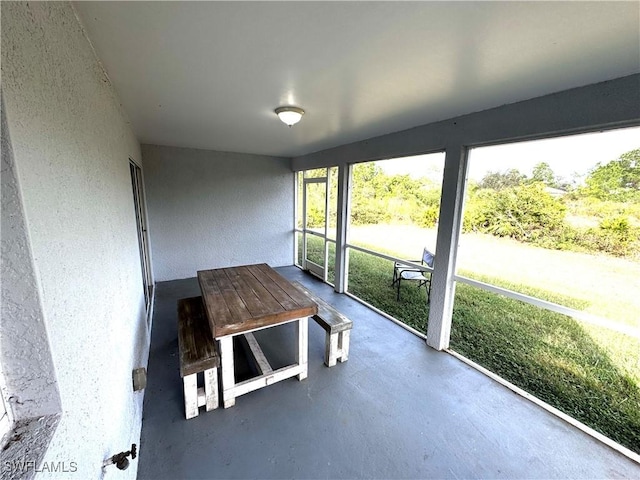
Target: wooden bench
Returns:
[198, 353]
[337, 327]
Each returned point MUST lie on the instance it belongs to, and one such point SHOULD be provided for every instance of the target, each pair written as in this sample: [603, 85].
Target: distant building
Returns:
[555, 192]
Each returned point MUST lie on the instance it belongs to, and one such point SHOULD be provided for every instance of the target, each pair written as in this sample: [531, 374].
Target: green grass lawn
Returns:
[590, 373]
[596, 284]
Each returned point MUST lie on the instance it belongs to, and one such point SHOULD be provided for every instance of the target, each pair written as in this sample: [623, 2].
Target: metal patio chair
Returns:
[402, 271]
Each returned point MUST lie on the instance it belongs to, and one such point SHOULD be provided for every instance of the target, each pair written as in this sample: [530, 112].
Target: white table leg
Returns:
[302, 326]
[228, 374]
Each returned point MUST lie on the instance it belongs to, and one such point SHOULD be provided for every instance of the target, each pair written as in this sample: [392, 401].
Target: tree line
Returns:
[602, 214]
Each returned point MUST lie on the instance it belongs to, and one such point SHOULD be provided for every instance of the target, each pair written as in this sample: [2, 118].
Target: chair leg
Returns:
[398, 295]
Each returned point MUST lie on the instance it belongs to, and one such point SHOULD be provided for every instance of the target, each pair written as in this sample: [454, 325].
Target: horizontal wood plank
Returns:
[268, 379]
[258, 355]
[266, 297]
[328, 317]
[270, 274]
[246, 298]
[259, 302]
[198, 351]
[236, 305]
[278, 293]
[214, 303]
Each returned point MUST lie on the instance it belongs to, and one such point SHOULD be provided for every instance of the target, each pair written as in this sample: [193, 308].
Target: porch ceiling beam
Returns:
[605, 105]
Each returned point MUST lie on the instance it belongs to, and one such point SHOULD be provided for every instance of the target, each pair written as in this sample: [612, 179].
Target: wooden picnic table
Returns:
[241, 300]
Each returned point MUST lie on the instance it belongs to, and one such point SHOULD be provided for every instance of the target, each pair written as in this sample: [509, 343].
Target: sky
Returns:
[567, 156]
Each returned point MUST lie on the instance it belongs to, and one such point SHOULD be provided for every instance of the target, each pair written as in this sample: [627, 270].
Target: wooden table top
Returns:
[241, 299]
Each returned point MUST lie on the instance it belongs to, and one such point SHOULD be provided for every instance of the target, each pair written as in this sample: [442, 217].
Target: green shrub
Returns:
[476, 211]
[380, 198]
[615, 236]
[502, 180]
[618, 180]
[315, 216]
[369, 213]
[617, 225]
[525, 212]
[593, 207]
[427, 217]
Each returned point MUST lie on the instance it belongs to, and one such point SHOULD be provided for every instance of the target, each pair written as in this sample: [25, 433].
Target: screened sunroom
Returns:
[462, 185]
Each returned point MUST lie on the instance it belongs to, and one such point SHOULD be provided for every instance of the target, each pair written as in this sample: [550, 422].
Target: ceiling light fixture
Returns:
[289, 115]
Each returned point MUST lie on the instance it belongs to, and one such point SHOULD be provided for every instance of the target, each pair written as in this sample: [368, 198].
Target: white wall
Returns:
[28, 380]
[212, 209]
[71, 145]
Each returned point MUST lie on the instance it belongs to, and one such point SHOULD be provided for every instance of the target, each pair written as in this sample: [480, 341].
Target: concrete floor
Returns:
[396, 409]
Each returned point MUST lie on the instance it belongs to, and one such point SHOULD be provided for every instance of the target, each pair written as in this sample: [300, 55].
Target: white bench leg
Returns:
[191, 395]
[211, 388]
[331, 349]
[343, 345]
[228, 375]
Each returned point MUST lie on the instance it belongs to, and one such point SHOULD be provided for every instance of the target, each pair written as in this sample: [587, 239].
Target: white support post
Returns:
[296, 194]
[450, 225]
[303, 264]
[302, 326]
[327, 201]
[342, 221]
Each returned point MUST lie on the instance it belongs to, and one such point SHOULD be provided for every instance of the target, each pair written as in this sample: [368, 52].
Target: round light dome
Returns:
[289, 115]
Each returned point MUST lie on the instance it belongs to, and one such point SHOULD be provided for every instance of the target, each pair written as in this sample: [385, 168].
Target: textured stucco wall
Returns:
[29, 387]
[211, 209]
[71, 145]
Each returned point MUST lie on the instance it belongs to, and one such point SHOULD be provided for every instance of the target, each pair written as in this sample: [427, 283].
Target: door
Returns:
[314, 241]
[143, 239]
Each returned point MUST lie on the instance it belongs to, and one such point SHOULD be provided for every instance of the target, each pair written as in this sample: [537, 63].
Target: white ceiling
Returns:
[210, 74]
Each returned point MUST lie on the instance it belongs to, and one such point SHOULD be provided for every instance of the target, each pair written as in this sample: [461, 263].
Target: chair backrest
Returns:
[427, 258]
